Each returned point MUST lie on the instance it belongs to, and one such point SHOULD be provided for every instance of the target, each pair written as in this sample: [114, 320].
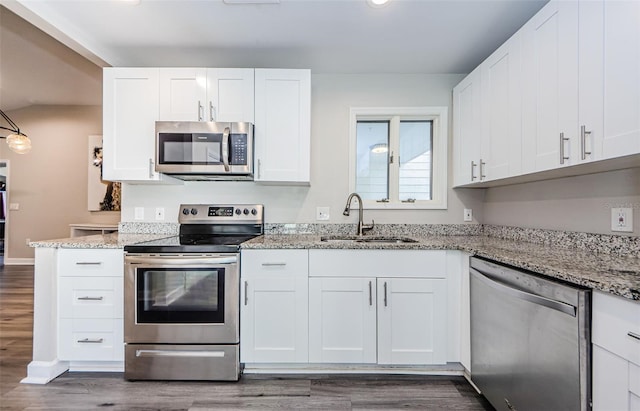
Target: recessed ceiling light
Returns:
[377, 3]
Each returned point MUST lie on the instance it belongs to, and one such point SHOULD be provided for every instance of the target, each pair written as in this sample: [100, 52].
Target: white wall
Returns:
[332, 96]
[581, 203]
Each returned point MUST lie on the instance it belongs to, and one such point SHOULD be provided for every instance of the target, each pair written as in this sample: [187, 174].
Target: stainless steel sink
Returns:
[379, 240]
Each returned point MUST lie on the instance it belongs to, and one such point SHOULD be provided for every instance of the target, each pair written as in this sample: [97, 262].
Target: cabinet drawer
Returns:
[616, 325]
[91, 340]
[377, 263]
[90, 262]
[270, 262]
[90, 297]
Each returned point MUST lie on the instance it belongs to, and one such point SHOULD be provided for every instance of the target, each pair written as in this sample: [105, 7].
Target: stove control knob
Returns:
[238, 211]
[194, 211]
[254, 211]
[185, 211]
[246, 211]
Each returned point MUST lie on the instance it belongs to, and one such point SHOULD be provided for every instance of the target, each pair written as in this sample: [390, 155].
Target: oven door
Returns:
[181, 299]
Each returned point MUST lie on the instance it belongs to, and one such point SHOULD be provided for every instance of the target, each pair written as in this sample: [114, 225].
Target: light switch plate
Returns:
[622, 219]
[468, 214]
[160, 213]
[322, 213]
[138, 213]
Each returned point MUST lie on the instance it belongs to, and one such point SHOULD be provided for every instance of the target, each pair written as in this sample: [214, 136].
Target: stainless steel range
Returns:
[182, 296]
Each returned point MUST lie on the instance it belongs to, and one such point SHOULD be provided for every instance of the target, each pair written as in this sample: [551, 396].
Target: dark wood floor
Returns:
[84, 391]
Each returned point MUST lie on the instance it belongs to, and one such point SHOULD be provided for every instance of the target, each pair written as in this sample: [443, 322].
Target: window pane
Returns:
[415, 160]
[372, 162]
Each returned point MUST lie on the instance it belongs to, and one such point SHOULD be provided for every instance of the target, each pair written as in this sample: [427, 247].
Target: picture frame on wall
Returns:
[102, 195]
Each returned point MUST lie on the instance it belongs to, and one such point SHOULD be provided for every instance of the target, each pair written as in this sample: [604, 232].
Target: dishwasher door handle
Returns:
[523, 295]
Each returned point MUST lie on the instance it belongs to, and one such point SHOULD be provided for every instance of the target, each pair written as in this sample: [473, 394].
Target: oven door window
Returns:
[190, 148]
[179, 295]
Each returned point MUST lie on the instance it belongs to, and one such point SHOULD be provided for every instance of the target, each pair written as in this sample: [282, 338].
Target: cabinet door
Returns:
[282, 127]
[550, 86]
[273, 319]
[621, 78]
[610, 381]
[501, 111]
[230, 95]
[342, 320]
[130, 109]
[412, 321]
[466, 129]
[183, 94]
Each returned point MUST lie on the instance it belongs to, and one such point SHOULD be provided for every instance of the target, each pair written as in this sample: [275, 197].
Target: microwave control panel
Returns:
[238, 149]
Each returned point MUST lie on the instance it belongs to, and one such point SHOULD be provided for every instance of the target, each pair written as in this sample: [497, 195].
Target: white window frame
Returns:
[439, 117]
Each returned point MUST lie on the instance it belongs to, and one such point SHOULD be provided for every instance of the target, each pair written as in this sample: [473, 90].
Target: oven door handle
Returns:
[182, 260]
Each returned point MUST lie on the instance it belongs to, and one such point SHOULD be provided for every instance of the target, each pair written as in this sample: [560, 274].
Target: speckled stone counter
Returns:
[114, 240]
[611, 273]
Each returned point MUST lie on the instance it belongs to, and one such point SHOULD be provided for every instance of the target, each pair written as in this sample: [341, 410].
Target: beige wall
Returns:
[580, 203]
[331, 98]
[50, 182]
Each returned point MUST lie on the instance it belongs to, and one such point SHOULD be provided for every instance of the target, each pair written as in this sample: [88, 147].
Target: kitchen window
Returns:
[399, 157]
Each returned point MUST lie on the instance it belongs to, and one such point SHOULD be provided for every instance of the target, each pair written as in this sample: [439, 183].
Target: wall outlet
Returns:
[468, 214]
[27, 241]
[322, 213]
[622, 219]
[14, 206]
[138, 213]
[160, 213]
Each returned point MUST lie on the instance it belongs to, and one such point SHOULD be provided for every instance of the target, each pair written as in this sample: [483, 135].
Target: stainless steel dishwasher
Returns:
[530, 340]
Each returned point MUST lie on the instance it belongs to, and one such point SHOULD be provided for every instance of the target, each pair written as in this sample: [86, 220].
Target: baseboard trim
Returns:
[19, 261]
[41, 372]
[448, 369]
[96, 366]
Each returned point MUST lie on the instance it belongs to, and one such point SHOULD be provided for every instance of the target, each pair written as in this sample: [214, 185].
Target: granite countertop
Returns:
[113, 240]
[611, 273]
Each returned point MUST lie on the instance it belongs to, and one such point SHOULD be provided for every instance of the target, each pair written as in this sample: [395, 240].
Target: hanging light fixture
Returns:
[17, 141]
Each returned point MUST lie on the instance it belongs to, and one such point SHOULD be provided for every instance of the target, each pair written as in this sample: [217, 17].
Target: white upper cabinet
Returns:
[550, 86]
[207, 94]
[130, 110]
[621, 134]
[282, 125]
[501, 111]
[466, 129]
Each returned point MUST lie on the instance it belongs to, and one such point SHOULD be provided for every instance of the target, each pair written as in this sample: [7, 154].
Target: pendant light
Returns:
[17, 141]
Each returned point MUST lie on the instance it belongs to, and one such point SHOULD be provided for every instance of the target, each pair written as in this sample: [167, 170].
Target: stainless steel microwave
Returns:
[200, 150]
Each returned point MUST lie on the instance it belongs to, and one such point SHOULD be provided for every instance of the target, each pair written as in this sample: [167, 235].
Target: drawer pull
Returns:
[274, 264]
[634, 335]
[89, 263]
[91, 341]
[87, 298]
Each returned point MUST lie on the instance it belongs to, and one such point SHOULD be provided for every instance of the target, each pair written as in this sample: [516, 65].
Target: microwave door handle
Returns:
[225, 149]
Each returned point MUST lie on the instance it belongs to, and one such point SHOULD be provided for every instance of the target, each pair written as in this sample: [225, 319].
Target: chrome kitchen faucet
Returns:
[361, 226]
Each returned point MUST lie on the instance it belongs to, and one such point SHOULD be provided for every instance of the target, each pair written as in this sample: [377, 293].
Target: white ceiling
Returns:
[327, 36]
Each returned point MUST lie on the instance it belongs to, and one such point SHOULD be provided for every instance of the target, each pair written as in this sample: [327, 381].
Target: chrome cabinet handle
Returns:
[583, 144]
[87, 298]
[179, 353]
[200, 110]
[385, 293]
[151, 168]
[482, 175]
[89, 263]
[212, 112]
[91, 341]
[246, 295]
[562, 140]
[634, 335]
[370, 294]
[473, 167]
[274, 264]
[259, 168]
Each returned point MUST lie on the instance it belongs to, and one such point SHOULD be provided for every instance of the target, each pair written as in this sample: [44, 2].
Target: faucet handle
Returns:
[368, 227]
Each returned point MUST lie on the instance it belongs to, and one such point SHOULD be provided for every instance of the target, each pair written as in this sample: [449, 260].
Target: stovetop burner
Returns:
[209, 229]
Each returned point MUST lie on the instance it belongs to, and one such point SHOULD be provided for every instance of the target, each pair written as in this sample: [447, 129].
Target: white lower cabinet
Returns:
[90, 305]
[616, 353]
[274, 306]
[391, 316]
